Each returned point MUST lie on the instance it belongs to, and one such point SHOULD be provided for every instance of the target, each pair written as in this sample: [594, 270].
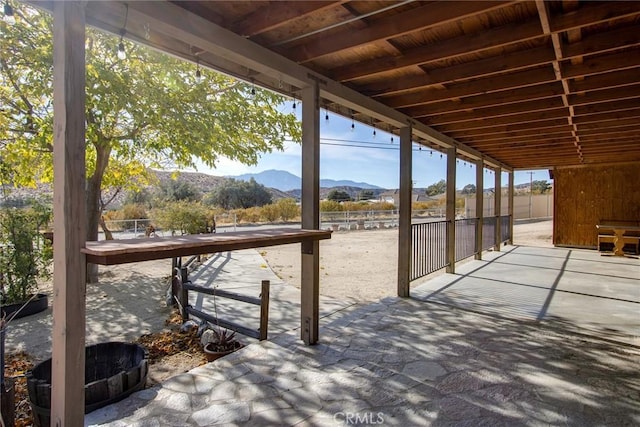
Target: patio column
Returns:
[498, 207]
[451, 210]
[479, 206]
[310, 286]
[69, 215]
[511, 192]
[404, 213]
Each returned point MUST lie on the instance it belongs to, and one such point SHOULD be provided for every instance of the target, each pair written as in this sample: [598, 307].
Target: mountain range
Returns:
[285, 181]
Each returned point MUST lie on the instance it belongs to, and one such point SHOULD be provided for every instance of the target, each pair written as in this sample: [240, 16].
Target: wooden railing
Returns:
[184, 285]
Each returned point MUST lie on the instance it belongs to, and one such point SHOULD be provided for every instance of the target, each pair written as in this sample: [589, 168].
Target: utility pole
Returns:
[530, 194]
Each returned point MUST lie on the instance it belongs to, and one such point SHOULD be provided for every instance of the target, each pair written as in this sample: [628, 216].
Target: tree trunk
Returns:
[94, 212]
[107, 233]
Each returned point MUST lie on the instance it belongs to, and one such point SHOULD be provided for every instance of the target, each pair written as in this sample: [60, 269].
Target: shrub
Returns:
[270, 213]
[183, 217]
[24, 255]
[288, 209]
[330, 206]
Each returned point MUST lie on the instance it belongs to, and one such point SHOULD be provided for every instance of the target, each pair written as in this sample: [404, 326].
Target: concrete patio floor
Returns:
[572, 288]
[409, 362]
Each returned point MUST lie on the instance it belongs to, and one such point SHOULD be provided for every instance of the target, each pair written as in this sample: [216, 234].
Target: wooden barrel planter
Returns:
[113, 371]
[36, 305]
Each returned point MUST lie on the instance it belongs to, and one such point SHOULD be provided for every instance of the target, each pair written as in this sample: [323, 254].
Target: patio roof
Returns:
[521, 84]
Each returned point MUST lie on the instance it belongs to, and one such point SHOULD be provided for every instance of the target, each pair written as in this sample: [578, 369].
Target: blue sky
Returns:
[375, 160]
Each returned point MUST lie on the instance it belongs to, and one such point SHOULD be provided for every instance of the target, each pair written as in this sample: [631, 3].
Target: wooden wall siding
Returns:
[585, 196]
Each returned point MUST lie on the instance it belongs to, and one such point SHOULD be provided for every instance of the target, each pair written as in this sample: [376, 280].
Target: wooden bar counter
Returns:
[111, 252]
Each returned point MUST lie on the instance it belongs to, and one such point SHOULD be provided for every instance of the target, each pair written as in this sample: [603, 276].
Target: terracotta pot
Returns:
[212, 354]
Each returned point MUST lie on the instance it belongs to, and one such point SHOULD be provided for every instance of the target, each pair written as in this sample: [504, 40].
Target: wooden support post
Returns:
[310, 286]
[511, 193]
[69, 214]
[175, 284]
[479, 206]
[404, 212]
[264, 309]
[451, 210]
[184, 293]
[498, 208]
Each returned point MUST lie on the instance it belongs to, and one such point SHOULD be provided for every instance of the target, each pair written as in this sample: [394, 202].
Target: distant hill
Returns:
[277, 179]
[286, 181]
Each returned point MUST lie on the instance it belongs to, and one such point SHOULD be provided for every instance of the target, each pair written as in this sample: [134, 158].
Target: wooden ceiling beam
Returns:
[492, 66]
[602, 64]
[539, 132]
[511, 96]
[529, 118]
[608, 117]
[560, 123]
[614, 136]
[391, 26]
[601, 42]
[609, 131]
[606, 107]
[514, 61]
[493, 111]
[607, 80]
[543, 13]
[475, 87]
[606, 95]
[276, 14]
[590, 13]
[607, 126]
[481, 144]
[487, 39]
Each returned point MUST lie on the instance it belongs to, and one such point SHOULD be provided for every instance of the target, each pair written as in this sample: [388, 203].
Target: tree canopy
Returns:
[439, 187]
[540, 187]
[144, 111]
[468, 189]
[339, 196]
[236, 194]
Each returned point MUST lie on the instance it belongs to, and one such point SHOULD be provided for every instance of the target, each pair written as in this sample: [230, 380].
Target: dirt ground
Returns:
[362, 265]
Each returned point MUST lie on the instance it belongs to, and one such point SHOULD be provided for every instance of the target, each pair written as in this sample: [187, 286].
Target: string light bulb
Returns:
[9, 16]
[122, 54]
[294, 103]
[253, 88]
[326, 115]
[431, 153]
[198, 72]
[374, 131]
[392, 140]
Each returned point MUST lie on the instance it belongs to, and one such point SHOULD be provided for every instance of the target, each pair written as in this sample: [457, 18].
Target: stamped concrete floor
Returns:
[564, 287]
[408, 362]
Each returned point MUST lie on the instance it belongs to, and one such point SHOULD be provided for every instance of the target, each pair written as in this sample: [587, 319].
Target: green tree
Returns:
[469, 189]
[365, 195]
[174, 190]
[339, 196]
[147, 110]
[234, 194]
[439, 187]
[540, 187]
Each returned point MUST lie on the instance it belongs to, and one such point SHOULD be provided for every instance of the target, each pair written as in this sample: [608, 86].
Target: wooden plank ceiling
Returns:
[531, 84]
